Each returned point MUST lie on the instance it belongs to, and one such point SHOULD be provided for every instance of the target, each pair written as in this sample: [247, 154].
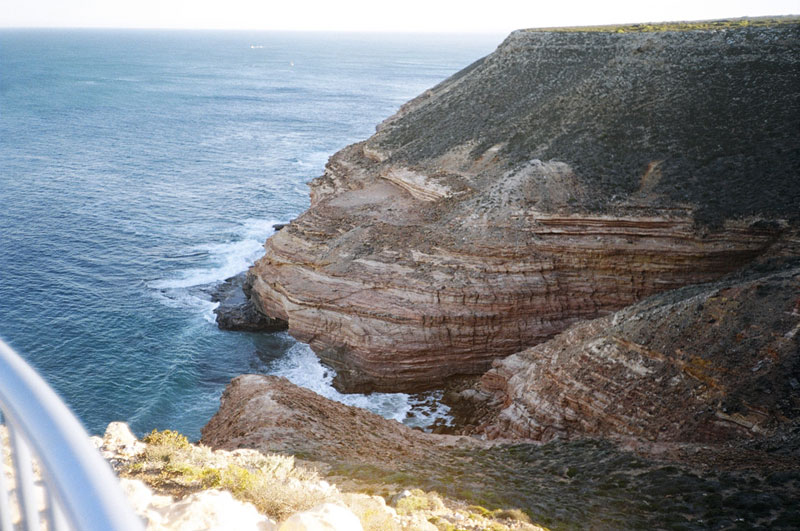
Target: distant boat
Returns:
[255, 46]
[291, 63]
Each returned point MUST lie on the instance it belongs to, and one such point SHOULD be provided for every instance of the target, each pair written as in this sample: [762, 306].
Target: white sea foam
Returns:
[314, 160]
[225, 259]
[180, 298]
[302, 367]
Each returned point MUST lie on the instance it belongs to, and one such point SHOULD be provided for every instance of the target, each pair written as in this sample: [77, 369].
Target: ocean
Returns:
[138, 169]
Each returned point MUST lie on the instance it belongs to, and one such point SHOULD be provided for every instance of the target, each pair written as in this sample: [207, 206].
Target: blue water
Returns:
[139, 167]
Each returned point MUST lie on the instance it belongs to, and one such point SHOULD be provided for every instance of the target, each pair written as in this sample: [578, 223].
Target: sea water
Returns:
[140, 168]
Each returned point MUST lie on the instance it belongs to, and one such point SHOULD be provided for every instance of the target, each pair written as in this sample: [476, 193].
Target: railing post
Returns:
[26, 488]
[55, 516]
[5, 504]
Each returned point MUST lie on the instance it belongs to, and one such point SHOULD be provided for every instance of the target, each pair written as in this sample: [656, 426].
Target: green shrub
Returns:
[168, 438]
[270, 482]
[477, 509]
[419, 500]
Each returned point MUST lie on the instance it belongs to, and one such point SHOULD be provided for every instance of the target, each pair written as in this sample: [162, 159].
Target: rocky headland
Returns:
[599, 226]
[563, 177]
[602, 225]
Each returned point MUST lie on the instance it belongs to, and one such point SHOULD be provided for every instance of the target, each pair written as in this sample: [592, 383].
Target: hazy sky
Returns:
[490, 16]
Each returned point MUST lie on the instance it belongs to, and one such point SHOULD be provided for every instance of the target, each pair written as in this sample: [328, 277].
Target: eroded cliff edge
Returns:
[562, 177]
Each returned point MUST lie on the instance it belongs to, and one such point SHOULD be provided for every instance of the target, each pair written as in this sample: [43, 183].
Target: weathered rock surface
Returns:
[237, 312]
[208, 510]
[328, 517]
[119, 441]
[563, 177]
[271, 414]
[709, 363]
[562, 484]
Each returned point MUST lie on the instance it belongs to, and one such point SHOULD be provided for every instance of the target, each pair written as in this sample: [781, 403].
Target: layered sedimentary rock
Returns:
[565, 176]
[704, 363]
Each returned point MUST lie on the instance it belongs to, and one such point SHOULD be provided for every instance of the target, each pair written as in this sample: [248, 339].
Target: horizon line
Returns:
[284, 30]
[395, 31]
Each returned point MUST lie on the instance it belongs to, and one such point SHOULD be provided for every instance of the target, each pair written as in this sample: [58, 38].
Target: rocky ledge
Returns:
[565, 176]
[271, 414]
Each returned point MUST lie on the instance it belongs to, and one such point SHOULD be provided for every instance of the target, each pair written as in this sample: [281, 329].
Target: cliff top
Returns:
[699, 25]
[650, 116]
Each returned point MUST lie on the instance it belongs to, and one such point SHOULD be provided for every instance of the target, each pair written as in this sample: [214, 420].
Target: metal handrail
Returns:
[82, 491]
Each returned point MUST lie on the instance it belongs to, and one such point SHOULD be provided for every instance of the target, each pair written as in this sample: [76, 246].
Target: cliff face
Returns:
[702, 364]
[564, 176]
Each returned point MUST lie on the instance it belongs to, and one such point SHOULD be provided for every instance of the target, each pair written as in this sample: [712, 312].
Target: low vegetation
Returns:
[652, 27]
[418, 500]
[273, 483]
[584, 484]
[279, 487]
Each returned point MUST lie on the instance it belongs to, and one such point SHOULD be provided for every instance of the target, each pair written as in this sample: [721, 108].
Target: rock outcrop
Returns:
[703, 364]
[271, 414]
[563, 177]
[237, 312]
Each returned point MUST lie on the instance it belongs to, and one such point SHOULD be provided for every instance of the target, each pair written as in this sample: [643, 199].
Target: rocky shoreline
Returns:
[563, 177]
[237, 312]
[588, 239]
[420, 263]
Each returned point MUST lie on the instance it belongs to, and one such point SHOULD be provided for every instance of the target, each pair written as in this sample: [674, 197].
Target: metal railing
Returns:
[80, 490]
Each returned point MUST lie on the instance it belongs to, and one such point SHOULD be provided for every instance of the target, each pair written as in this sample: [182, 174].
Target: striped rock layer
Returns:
[563, 177]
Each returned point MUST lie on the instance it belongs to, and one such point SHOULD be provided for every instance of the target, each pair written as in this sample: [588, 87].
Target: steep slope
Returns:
[564, 176]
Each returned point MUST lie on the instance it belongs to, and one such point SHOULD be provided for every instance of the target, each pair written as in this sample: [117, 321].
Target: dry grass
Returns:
[279, 488]
[272, 482]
